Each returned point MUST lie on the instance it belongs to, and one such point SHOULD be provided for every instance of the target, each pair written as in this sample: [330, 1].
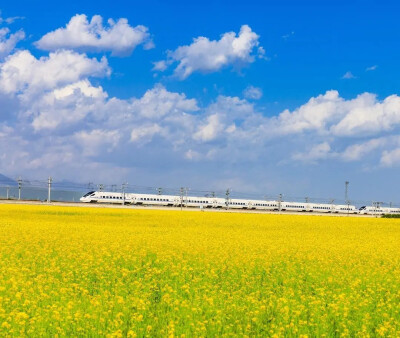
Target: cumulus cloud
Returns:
[145, 133]
[357, 151]
[367, 115]
[22, 72]
[97, 141]
[390, 158]
[205, 55]
[317, 152]
[160, 66]
[252, 93]
[67, 105]
[117, 37]
[223, 117]
[316, 114]
[210, 130]
[158, 102]
[9, 41]
[329, 114]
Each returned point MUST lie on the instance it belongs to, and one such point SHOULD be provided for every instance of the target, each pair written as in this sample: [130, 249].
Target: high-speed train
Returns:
[375, 210]
[213, 202]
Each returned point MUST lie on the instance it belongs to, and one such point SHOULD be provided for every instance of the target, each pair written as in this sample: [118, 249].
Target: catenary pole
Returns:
[19, 187]
[49, 189]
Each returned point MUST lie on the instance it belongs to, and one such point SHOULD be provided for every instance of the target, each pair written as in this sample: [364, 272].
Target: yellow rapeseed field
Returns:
[68, 271]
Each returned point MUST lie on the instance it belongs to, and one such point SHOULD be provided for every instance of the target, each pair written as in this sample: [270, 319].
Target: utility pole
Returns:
[49, 192]
[227, 194]
[19, 187]
[307, 199]
[181, 194]
[8, 192]
[378, 205]
[346, 191]
[159, 191]
[346, 196]
[332, 205]
[124, 185]
[186, 199]
[113, 187]
[213, 194]
[101, 187]
[280, 202]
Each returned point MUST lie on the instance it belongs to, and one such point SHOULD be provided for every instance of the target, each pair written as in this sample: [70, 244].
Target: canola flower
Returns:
[68, 271]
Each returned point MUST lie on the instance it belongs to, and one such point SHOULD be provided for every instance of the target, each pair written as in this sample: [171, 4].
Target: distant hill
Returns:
[6, 181]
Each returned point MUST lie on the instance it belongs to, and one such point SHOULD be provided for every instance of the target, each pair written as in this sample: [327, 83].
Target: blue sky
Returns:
[268, 97]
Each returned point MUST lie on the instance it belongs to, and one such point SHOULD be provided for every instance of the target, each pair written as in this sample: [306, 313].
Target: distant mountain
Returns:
[6, 181]
[69, 185]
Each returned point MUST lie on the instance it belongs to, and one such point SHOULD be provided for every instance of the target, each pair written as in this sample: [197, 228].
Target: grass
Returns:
[118, 272]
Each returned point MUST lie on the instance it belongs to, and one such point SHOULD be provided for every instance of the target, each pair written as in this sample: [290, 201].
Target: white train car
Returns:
[294, 206]
[150, 199]
[201, 202]
[323, 207]
[264, 205]
[106, 197]
[375, 210]
[218, 203]
[346, 209]
[236, 203]
[393, 211]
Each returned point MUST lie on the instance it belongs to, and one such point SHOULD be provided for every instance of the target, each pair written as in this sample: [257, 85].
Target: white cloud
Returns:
[329, 114]
[316, 114]
[117, 37]
[348, 75]
[252, 93]
[22, 72]
[97, 141]
[158, 102]
[390, 158]
[192, 155]
[9, 20]
[222, 119]
[160, 66]
[144, 134]
[66, 105]
[210, 130]
[357, 151]
[9, 41]
[368, 69]
[367, 115]
[317, 152]
[205, 55]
